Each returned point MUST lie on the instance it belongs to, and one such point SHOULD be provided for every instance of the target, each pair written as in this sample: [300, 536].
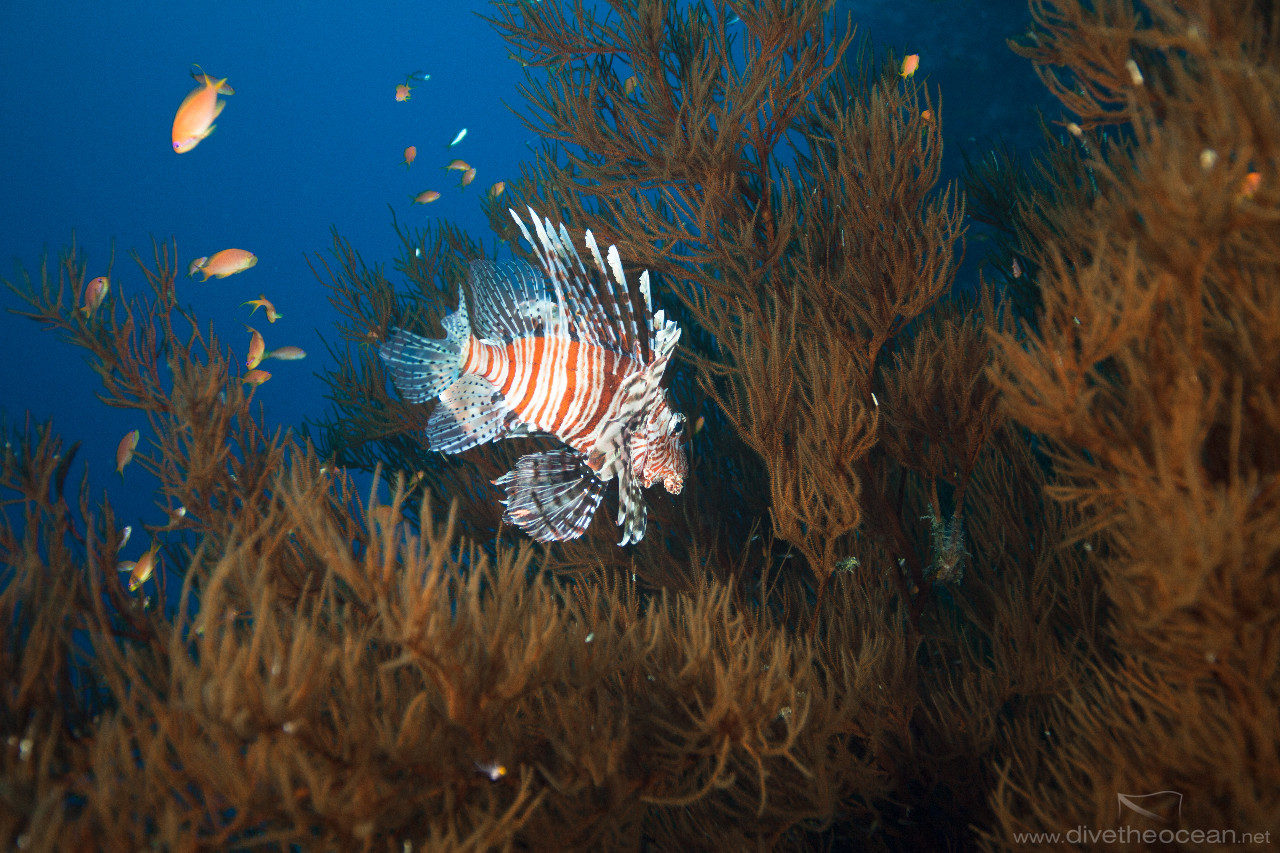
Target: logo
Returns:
[1164, 806]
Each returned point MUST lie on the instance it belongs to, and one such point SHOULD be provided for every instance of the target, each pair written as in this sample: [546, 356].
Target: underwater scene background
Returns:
[978, 543]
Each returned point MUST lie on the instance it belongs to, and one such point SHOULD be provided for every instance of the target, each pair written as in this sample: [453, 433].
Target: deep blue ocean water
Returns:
[313, 138]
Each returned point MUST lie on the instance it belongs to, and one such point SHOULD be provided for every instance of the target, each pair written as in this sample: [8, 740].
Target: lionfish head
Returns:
[657, 448]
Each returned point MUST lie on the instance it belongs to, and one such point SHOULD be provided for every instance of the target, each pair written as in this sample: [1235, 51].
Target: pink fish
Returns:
[225, 263]
[124, 450]
[94, 293]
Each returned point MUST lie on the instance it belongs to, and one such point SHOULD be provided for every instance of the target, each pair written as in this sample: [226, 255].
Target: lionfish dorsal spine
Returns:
[649, 318]
[598, 300]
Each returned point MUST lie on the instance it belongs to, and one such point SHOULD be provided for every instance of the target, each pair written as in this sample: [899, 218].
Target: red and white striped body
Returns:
[554, 384]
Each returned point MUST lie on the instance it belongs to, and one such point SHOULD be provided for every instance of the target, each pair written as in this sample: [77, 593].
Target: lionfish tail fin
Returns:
[422, 368]
[552, 496]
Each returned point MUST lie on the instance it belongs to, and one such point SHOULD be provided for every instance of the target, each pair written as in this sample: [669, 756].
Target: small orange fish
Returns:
[410, 154]
[629, 85]
[1249, 186]
[425, 197]
[287, 353]
[194, 120]
[468, 176]
[402, 92]
[263, 302]
[140, 572]
[1016, 269]
[458, 166]
[909, 65]
[699, 424]
[927, 116]
[94, 293]
[195, 265]
[225, 263]
[124, 450]
[255, 377]
[497, 189]
[257, 348]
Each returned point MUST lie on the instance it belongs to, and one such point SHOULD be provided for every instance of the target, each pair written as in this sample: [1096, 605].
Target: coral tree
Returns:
[943, 572]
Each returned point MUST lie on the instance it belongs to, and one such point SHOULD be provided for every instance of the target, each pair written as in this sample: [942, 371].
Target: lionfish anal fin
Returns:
[471, 413]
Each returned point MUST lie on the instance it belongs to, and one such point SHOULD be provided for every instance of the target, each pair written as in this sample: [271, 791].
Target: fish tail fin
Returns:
[421, 368]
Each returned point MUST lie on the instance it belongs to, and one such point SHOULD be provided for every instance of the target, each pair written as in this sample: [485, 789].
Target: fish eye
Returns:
[678, 426]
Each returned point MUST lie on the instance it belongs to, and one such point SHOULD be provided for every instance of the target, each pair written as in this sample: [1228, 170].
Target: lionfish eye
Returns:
[678, 426]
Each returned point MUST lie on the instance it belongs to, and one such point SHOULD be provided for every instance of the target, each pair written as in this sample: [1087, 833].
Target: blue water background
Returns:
[313, 138]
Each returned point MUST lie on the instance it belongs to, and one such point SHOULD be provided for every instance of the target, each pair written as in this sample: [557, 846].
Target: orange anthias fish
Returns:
[410, 154]
[224, 263]
[909, 65]
[287, 353]
[255, 377]
[257, 349]
[263, 302]
[94, 293]
[497, 189]
[425, 197]
[537, 351]
[124, 451]
[141, 571]
[468, 176]
[195, 117]
[402, 92]
[458, 166]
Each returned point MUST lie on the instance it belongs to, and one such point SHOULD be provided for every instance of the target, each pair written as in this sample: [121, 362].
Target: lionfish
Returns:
[562, 351]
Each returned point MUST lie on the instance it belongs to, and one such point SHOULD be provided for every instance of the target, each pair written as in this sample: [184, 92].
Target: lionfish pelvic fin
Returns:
[633, 512]
[552, 496]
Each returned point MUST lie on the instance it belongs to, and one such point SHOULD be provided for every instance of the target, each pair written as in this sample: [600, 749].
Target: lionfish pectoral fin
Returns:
[552, 496]
[471, 413]
[633, 512]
